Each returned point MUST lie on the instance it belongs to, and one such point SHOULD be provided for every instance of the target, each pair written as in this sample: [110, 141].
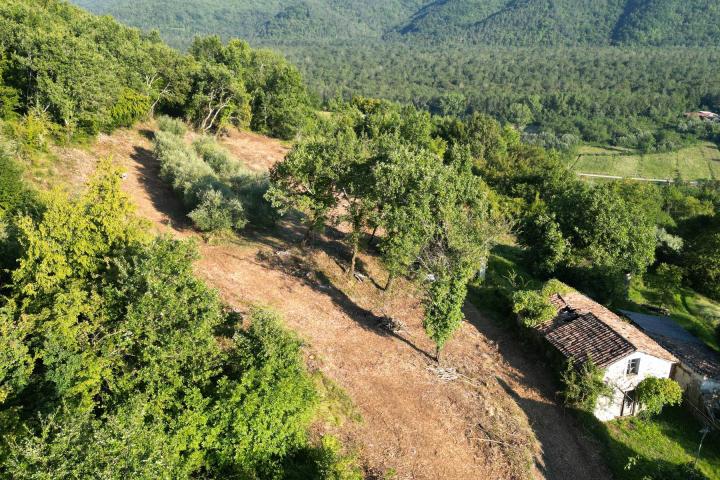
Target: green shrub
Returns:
[11, 185]
[251, 190]
[555, 286]
[33, 132]
[9, 101]
[215, 212]
[533, 307]
[215, 188]
[171, 125]
[218, 158]
[584, 385]
[655, 393]
[130, 107]
[667, 280]
[182, 168]
[325, 461]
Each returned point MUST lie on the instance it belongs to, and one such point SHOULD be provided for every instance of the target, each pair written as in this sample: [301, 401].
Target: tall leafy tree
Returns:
[467, 224]
[310, 179]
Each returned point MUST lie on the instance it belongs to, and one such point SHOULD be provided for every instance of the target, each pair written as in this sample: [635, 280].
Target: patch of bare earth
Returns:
[257, 152]
[489, 413]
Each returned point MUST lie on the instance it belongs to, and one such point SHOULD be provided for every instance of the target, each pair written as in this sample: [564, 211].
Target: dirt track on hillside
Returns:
[423, 427]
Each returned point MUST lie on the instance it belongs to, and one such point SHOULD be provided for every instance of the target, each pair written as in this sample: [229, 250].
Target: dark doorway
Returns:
[629, 404]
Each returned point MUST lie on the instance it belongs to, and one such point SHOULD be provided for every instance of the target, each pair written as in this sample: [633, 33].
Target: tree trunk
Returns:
[306, 238]
[372, 237]
[437, 354]
[353, 261]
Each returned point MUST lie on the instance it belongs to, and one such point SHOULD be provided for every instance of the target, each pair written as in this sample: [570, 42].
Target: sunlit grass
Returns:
[697, 162]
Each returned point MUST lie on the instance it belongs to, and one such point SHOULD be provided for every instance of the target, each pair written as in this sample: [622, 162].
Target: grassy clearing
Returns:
[697, 314]
[698, 162]
[505, 273]
[657, 448]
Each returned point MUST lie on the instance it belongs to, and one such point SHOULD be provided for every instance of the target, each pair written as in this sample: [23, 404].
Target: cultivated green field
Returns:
[699, 162]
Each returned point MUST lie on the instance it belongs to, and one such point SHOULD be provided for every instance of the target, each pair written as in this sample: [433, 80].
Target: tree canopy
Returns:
[113, 364]
[88, 74]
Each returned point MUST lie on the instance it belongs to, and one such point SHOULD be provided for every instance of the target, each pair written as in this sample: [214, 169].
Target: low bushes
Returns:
[171, 125]
[533, 308]
[219, 193]
[129, 108]
[583, 385]
[215, 212]
[218, 158]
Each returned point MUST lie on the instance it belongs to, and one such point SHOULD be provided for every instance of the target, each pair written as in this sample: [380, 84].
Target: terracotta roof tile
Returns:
[585, 329]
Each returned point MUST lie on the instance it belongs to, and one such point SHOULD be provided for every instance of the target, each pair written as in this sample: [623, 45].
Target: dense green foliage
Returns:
[598, 94]
[113, 362]
[497, 22]
[533, 308]
[565, 67]
[702, 255]
[584, 385]
[388, 167]
[655, 393]
[88, 73]
[217, 191]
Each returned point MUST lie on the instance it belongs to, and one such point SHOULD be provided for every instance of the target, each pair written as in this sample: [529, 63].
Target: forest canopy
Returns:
[85, 74]
[620, 72]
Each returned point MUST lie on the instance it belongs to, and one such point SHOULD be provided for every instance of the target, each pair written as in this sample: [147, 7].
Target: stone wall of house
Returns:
[690, 382]
[697, 389]
[616, 376]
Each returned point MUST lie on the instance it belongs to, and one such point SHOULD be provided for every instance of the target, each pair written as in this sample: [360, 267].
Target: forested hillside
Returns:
[496, 22]
[612, 72]
[373, 226]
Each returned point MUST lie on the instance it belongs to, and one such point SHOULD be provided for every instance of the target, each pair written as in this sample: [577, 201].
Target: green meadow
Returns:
[697, 162]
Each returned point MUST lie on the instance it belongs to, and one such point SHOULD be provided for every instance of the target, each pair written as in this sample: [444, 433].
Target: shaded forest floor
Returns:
[490, 413]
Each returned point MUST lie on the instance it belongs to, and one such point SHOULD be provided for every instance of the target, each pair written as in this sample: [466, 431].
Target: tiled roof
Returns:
[690, 350]
[585, 329]
[582, 337]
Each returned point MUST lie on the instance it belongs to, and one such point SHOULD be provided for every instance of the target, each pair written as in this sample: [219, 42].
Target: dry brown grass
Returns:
[415, 422]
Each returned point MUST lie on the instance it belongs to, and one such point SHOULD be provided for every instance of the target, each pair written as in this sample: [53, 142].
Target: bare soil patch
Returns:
[257, 152]
[490, 413]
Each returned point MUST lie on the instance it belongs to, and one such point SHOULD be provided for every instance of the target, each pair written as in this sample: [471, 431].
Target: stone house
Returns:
[698, 370]
[583, 329]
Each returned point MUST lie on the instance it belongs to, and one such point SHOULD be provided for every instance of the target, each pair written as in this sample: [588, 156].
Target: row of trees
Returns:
[379, 167]
[88, 74]
[118, 363]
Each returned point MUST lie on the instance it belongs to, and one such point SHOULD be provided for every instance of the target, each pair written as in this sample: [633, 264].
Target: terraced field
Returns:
[699, 162]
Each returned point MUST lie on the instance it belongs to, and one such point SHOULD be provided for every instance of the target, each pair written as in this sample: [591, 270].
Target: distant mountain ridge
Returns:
[488, 22]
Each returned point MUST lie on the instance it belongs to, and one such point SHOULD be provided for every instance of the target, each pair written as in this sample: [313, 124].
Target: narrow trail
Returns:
[412, 421]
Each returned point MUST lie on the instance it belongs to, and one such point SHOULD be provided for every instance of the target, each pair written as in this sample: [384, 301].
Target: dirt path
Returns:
[413, 422]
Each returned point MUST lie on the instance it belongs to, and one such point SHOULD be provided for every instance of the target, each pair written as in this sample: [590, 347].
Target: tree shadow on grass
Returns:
[624, 462]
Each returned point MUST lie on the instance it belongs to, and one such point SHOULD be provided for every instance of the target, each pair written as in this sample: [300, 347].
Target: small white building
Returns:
[698, 370]
[584, 329]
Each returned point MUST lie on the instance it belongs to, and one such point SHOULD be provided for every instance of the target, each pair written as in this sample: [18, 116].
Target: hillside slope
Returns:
[487, 424]
[493, 22]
